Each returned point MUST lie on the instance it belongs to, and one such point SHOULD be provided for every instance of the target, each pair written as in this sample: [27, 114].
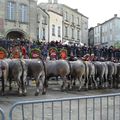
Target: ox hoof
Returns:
[116, 87]
[24, 94]
[86, 89]
[79, 90]
[36, 94]
[10, 89]
[70, 89]
[20, 95]
[74, 84]
[3, 94]
[62, 90]
[43, 93]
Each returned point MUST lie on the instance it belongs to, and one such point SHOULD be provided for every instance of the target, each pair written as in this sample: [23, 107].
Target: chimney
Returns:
[49, 1]
[55, 1]
[76, 10]
[98, 24]
[115, 15]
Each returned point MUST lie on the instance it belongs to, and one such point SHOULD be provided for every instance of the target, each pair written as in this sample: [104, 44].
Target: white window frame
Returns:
[78, 34]
[72, 33]
[53, 30]
[66, 31]
[11, 8]
[23, 13]
[59, 31]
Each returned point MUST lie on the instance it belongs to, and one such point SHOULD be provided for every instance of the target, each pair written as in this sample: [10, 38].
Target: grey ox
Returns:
[58, 68]
[14, 70]
[36, 68]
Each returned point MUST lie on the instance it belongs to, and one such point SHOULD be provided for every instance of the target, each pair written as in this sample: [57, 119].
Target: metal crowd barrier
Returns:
[99, 107]
[2, 116]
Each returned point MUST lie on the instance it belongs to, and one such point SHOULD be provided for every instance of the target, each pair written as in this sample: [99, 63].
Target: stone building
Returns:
[18, 19]
[55, 26]
[108, 32]
[91, 36]
[97, 34]
[43, 25]
[74, 24]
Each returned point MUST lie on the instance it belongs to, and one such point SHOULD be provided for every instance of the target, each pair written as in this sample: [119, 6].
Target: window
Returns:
[72, 33]
[78, 34]
[98, 39]
[44, 20]
[78, 23]
[110, 25]
[53, 30]
[59, 31]
[72, 18]
[103, 29]
[66, 15]
[43, 34]
[23, 14]
[11, 10]
[37, 33]
[98, 29]
[103, 40]
[66, 31]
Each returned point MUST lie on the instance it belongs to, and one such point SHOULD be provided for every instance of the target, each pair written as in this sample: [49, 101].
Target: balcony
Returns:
[73, 24]
[66, 22]
[78, 26]
[44, 22]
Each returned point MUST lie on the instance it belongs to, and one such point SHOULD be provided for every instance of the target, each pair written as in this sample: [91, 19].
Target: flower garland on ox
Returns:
[63, 53]
[3, 53]
[53, 53]
[35, 53]
[16, 53]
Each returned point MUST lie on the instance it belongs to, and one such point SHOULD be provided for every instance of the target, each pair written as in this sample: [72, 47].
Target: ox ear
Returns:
[3, 67]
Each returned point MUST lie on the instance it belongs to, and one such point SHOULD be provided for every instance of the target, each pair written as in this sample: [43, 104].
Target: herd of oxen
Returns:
[95, 74]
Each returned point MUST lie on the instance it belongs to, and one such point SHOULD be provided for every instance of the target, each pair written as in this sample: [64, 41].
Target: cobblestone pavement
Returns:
[54, 92]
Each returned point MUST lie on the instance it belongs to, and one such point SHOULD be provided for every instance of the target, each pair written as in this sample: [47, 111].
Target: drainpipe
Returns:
[48, 28]
[29, 20]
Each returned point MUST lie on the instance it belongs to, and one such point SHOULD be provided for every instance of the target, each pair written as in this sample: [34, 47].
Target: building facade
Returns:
[18, 19]
[91, 36]
[55, 26]
[97, 34]
[111, 31]
[74, 24]
[43, 25]
[107, 33]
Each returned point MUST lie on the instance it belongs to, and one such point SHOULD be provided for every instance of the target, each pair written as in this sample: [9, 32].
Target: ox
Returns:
[112, 71]
[58, 68]
[101, 72]
[14, 70]
[77, 72]
[91, 74]
[36, 68]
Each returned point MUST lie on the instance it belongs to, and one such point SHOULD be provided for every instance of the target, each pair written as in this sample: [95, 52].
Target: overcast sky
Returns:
[97, 11]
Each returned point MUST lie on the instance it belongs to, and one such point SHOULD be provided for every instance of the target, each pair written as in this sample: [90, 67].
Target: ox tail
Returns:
[45, 82]
[86, 71]
[2, 80]
[21, 63]
[70, 70]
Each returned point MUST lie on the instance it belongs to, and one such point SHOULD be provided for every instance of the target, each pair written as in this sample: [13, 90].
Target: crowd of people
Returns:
[73, 51]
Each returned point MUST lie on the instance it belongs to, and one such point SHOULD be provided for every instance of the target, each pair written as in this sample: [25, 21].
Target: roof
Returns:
[75, 10]
[55, 12]
[42, 10]
[110, 20]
